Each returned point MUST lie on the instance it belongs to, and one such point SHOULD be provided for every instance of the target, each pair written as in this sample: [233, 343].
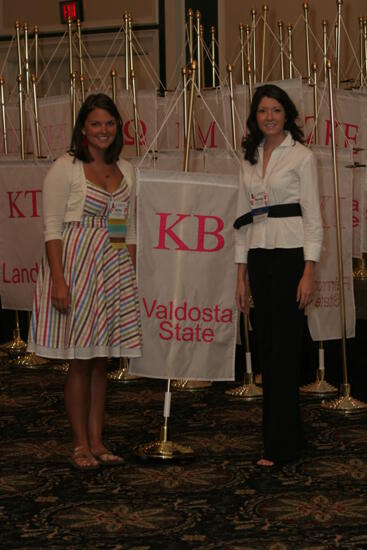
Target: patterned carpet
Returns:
[219, 500]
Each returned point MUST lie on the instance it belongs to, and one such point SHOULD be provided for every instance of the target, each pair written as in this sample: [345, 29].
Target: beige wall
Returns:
[45, 13]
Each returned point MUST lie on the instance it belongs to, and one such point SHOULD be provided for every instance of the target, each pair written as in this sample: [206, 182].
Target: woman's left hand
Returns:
[306, 286]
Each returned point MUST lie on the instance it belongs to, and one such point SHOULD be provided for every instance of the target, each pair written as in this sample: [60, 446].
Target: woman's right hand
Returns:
[243, 290]
[60, 296]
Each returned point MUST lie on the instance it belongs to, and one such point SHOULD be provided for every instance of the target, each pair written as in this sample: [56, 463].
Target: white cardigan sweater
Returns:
[64, 192]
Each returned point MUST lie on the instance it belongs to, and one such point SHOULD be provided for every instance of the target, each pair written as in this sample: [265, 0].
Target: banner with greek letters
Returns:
[21, 236]
[186, 275]
[324, 313]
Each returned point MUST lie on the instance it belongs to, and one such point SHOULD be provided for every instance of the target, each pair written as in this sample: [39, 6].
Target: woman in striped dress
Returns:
[86, 305]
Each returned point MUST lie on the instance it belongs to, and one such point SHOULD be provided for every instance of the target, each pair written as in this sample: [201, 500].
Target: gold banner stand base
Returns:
[248, 391]
[191, 385]
[31, 361]
[61, 366]
[320, 387]
[345, 404]
[164, 450]
[122, 373]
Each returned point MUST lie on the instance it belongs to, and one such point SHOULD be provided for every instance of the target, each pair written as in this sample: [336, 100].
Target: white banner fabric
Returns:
[186, 275]
[55, 125]
[147, 115]
[21, 236]
[13, 132]
[359, 181]
[324, 313]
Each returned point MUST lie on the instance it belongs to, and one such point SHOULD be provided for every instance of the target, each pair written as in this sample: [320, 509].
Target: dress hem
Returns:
[82, 353]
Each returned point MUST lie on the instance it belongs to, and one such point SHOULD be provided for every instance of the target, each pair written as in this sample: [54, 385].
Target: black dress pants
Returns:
[274, 276]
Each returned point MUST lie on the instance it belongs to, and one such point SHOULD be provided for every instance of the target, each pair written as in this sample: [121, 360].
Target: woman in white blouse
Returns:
[278, 240]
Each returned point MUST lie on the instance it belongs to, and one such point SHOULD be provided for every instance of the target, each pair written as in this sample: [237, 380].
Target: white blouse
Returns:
[291, 177]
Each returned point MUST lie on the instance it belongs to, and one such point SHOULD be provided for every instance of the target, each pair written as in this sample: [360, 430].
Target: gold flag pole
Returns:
[73, 98]
[253, 31]
[3, 116]
[248, 390]
[230, 80]
[136, 117]
[365, 47]
[280, 34]
[339, 4]
[265, 10]
[36, 48]
[131, 52]
[250, 83]
[81, 66]
[290, 52]
[242, 52]
[212, 57]
[126, 31]
[315, 105]
[163, 449]
[324, 47]
[190, 14]
[305, 13]
[184, 84]
[361, 52]
[198, 49]
[21, 116]
[202, 56]
[19, 55]
[345, 403]
[190, 385]
[248, 44]
[113, 83]
[320, 387]
[36, 118]
[26, 57]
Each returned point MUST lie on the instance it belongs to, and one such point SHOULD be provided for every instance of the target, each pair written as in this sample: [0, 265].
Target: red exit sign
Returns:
[71, 10]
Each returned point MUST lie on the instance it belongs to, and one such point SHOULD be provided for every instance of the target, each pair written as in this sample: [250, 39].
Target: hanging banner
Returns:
[324, 312]
[147, 115]
[170, 122]
[186, 275]
[350, 130]
[55, 125]
[21, 236]
[359, 183]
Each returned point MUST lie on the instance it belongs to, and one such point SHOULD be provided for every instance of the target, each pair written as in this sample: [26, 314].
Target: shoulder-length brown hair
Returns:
[78, 147]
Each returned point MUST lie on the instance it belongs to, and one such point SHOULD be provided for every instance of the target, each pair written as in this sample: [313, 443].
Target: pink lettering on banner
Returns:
[350, 131]
[355, 216]
[210, 134]
[129, 132]
[19, 275]
[174, 320]
[26, 199]
[201, 231]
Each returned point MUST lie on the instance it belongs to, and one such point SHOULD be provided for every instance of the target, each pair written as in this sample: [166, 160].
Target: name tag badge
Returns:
[259, 206]
[117, 224]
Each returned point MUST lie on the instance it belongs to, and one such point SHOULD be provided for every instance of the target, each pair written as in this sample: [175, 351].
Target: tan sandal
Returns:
[83, 460]
[107, 458]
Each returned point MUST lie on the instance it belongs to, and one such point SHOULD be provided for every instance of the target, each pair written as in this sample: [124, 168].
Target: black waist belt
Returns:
[276, 211]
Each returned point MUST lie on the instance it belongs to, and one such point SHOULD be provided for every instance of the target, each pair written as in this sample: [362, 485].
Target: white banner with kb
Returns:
[186, 275]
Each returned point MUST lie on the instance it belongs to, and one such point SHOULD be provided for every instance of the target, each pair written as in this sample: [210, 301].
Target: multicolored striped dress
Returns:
[103, 320]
